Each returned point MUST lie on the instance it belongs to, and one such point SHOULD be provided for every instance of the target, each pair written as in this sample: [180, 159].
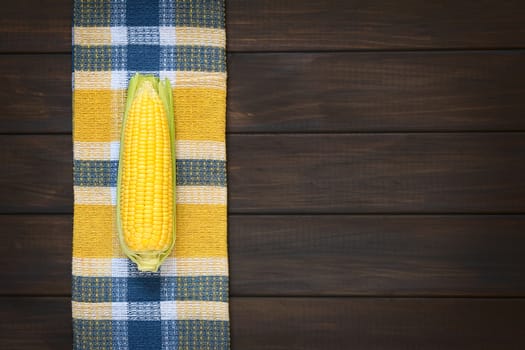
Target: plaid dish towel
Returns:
[185, 304]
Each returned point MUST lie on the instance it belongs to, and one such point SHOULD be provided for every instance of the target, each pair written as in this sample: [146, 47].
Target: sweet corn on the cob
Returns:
[146, 175]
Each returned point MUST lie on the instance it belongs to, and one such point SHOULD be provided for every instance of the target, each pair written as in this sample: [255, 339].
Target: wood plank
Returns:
[310, 323]
[329, 323]
[35, 96]
[266, 25]
[36, 254]
[377, 255]
[36, 323]
[341, 92]
[36, 26]
[36, 173]
[311, 255]
[329, 92]
[347, 173]
[380, 24]
[370, 173]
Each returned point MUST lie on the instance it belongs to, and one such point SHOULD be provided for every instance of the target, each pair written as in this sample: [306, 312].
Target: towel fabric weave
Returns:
[185, 304]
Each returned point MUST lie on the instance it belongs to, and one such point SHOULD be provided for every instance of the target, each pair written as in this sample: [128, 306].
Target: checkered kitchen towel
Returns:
[185, 305]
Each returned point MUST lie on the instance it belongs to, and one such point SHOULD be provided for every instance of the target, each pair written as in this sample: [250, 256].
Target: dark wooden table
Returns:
[376, 169]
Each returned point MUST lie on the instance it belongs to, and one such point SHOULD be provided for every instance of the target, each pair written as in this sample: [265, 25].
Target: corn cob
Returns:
[146, 174]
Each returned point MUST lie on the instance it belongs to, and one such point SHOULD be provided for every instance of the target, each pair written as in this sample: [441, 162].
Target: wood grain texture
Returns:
[266, 25]
[310, 323]
[339, 92]
[36, 254]
[377, 255]
[36, 323]
[36, 173]
[36, 26]
[379, 24]
[35, 94]
[371, 173]
[327, 92]
[333, 323]
[311, 255]
[348, 173]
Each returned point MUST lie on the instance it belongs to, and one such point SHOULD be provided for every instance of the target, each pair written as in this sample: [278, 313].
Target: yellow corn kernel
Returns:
[146, 178]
